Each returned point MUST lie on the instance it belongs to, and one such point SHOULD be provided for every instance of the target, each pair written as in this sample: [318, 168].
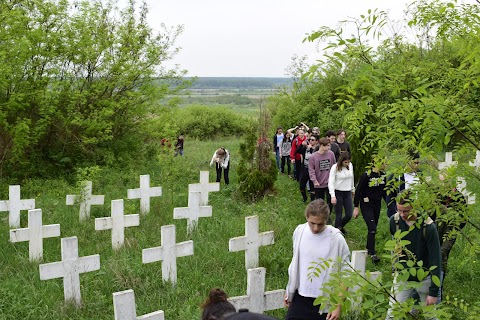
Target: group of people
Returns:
[322, 166]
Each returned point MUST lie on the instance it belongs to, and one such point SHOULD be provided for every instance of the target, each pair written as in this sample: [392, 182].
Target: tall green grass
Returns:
[24, 296]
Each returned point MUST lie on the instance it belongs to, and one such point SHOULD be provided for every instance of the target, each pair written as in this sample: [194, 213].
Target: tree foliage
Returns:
[77, 82]
[257, 171]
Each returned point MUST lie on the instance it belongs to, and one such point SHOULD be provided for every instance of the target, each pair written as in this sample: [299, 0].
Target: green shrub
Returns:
[202, 121]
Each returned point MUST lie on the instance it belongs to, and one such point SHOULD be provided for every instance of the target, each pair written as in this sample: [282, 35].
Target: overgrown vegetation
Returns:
[257, 170]
[77, 83]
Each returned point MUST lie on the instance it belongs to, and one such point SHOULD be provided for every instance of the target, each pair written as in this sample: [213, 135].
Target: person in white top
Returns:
[342, 189]
[221, 158]
[314, 241]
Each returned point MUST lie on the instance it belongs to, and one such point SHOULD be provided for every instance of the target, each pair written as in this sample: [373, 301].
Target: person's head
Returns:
[404, 206]
[344, 160]
[217, 306]
[279, 130]
[316, 131]
[313, 140]
[286, 136]
[324, 145]
[220, 153]
[317, 214]
[341, 135]
[301, 133]
[331, 135]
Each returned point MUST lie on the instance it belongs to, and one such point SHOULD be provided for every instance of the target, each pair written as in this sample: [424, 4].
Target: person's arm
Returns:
[306, 127]
[213, 158]
[293, 149]
[331, 183]
[312, 165]
[361, 188]
[352, 185]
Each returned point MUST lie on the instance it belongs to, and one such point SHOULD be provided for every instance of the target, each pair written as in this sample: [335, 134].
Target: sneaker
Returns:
[375, 259]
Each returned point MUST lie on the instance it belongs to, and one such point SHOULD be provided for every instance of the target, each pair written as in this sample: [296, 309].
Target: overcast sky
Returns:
[253, 37]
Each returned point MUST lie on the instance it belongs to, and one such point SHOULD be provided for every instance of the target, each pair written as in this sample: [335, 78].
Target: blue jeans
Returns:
[277, 157]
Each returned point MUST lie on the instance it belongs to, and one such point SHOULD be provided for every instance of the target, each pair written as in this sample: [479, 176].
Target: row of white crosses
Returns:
[462, 184]
[72, 265]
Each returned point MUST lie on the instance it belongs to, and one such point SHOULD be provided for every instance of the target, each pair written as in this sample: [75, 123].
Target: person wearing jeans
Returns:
[341, 187]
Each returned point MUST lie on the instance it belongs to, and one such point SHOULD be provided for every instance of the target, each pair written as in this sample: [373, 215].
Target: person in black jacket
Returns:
[369, 194]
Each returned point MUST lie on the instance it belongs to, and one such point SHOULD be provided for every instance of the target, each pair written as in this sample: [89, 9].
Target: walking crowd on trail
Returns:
[322, 166]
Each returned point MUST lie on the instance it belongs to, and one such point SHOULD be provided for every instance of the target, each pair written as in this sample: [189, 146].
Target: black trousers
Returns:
[371, 213]
[225, 173]
[302, 308]
[320, 194]
[344, 200]
[304, 179]
[286, 160]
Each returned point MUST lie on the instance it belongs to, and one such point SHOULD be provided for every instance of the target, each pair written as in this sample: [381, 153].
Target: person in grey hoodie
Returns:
[314, 241]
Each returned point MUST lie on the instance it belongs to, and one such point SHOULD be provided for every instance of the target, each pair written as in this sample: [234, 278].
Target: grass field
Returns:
[24, 296]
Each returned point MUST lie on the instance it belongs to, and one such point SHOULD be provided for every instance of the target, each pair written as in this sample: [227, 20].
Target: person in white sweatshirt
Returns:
[314, 241]
[342, 189]
[221, 158]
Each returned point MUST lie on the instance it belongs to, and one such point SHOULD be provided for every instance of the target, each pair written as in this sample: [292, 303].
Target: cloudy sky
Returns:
[253, 37]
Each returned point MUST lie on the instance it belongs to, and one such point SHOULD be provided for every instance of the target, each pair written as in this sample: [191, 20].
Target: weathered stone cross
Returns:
[257, 300]
[476, 162]
[124, 307]
[34, 234]
[193, 211]
[144, 193]
[14, 205]
[86, 200]
[117, 222]
[204, 187]
[448, 161]
[462, 187]
[168, 253]
[70, 268]
[251, 242]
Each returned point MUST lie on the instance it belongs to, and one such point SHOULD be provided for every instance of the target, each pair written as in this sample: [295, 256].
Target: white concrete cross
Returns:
[70, 268]
[14, 205]
[193, 211]
[257, 300]
[117, 222]
[476, 162]
[359, 262]
[144, 193]
[35, 233]
[168, 253]
[448, 161]
[251, 242]
[462, 187]
[86, 200]
[124, 307]
[204, 187]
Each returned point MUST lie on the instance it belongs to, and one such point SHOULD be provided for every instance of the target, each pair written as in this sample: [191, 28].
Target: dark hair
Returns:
[315, 136]
[340, 131]
[216, 305]
[330, 133]
[317, 208]
[285, 138]
[343, 156]
[324, 141]
[404, 197]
